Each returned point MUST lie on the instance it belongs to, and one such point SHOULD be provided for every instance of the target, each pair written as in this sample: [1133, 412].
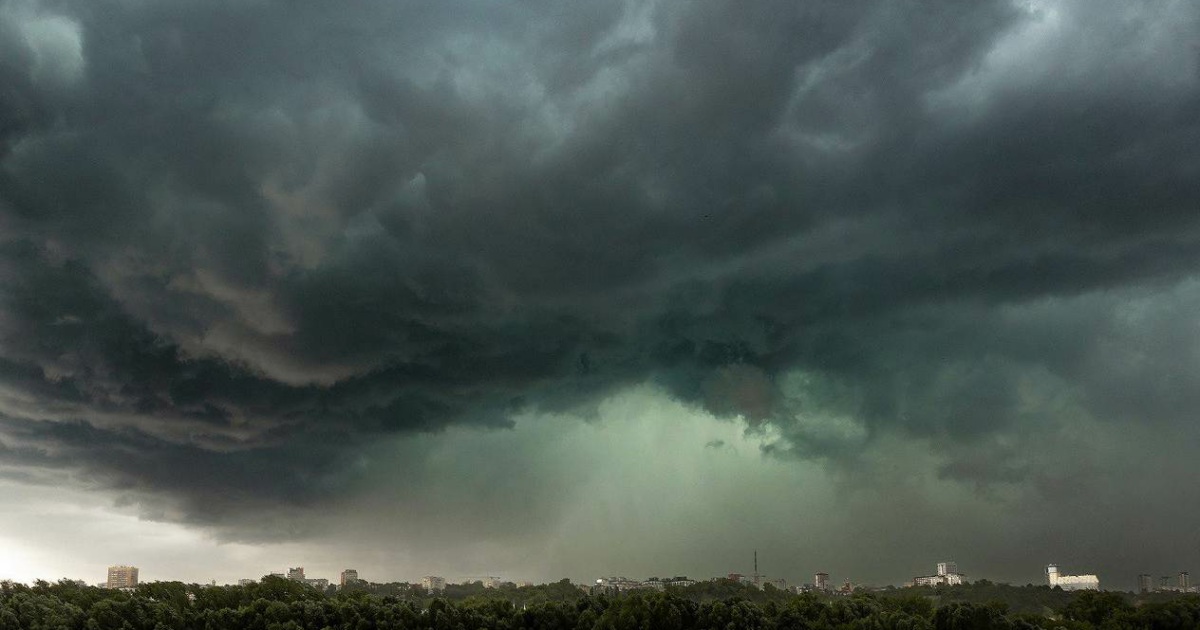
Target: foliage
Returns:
[278, 604]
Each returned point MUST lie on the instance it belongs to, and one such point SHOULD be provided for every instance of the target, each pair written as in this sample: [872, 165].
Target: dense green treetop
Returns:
[279, 604]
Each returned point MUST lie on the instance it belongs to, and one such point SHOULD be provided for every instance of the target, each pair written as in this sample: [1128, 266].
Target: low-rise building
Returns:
[492, 581]
[611, 585]
[433, 584]
[947, 575]
[1071, 582]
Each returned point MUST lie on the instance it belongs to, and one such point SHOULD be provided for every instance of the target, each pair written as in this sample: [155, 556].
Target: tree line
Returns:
[280, 604]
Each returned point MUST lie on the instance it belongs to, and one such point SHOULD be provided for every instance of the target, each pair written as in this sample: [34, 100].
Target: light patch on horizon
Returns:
[59, 532]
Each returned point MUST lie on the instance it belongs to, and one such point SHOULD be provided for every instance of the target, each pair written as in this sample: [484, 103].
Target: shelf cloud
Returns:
[243, 245]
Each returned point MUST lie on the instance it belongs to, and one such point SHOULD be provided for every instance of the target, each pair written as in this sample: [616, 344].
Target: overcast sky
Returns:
[567, 289]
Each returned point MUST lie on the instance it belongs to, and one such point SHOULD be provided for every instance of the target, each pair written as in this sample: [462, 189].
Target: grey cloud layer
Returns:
[243, 240]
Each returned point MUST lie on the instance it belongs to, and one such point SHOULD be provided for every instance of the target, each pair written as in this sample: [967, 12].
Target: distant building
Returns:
[1144, 583]
[611, 585]
[296, 573]
[742, 578]
[947, 575]
[433, 584]
[1071, 582]
[245, 582]
[655, 584]
[122, 576]
[1184, 582]
[821, 581]
[492, 581]
[318, 583]
[349, 576]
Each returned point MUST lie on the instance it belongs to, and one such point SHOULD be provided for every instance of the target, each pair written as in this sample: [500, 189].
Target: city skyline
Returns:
[946, 574]
[545, 290]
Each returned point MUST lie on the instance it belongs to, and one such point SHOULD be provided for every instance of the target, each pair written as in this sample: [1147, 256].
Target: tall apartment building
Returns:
[821, 581]
[1144, 583]
[349, 576]
[1184, 582]
[122, 576]
[296, 573]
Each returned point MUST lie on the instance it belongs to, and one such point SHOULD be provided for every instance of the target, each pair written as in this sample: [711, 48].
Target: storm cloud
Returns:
[243, 244]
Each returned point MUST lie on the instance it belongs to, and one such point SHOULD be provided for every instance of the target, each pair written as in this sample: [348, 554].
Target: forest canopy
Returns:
[279, 604]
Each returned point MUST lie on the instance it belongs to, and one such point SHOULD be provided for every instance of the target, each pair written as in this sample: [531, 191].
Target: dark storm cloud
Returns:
[243, 240]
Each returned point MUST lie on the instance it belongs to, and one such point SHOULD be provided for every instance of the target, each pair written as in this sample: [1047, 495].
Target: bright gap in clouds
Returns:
[77, 534]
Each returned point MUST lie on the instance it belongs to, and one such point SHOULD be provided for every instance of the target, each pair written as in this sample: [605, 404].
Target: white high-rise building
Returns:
[1071, 582]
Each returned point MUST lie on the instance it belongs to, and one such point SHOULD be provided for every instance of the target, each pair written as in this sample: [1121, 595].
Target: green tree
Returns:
[1100, 609]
